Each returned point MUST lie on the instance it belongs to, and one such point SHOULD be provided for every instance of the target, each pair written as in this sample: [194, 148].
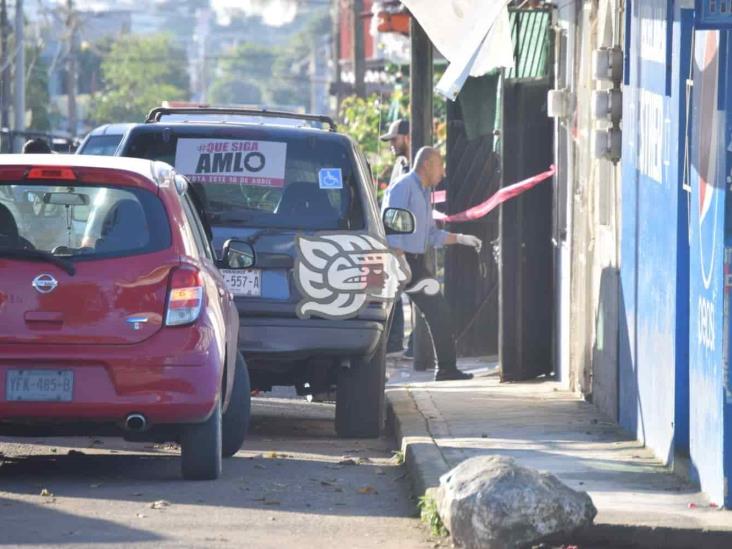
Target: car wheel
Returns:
[236, 418]
[360, 396]
[201, 448]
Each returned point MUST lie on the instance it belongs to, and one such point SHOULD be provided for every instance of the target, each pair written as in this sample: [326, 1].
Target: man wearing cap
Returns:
[398, 138]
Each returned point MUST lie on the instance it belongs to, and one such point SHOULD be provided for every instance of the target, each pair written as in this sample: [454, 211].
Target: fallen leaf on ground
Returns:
[160, 504]
[54, 450]
[363, 460]
[271, 455]
[46, 494]
[367, 490]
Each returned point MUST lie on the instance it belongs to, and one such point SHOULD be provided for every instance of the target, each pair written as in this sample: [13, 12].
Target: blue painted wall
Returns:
[650, 227]
[707, 337]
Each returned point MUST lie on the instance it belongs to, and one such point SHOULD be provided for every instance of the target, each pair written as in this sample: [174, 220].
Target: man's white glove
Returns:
[470, 240]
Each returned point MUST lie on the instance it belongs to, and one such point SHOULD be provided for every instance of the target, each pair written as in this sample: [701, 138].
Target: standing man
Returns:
[400, 145]
[398, 138]
[412, 192]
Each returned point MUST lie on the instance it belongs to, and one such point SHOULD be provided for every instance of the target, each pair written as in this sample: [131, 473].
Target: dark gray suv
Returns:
[314, 313]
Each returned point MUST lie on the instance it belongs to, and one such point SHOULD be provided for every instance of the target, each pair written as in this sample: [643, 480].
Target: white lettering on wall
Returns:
[653, 21]
[650, 135]
[706, 322]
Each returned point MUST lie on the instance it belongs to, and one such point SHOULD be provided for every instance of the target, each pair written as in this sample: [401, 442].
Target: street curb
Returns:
[425, 463]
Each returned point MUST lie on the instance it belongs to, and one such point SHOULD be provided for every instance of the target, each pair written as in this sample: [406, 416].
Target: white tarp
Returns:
[473, 35]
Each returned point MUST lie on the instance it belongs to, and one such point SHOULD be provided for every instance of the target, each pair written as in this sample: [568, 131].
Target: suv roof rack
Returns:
[158, 112]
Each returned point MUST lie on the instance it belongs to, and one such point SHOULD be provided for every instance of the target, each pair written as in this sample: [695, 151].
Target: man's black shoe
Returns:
[452, 374]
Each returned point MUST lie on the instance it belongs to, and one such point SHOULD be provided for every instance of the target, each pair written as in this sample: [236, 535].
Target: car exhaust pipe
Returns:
[135, 423]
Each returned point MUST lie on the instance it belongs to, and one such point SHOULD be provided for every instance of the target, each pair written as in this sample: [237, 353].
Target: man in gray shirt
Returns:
[398, 138]
[413, 192]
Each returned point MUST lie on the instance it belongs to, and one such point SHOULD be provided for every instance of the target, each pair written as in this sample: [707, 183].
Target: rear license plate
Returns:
[243, 282]
[39, 385]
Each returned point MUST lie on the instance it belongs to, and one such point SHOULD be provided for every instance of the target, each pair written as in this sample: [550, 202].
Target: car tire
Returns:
[360, 396]
[201, 448]
[235, 421]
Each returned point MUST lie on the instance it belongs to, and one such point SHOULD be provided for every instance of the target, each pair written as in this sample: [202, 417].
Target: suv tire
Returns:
[360, 396]
[235, 422]
[201, 448]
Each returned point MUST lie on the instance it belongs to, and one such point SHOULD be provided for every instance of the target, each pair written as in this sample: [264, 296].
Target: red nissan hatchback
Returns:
[114, 318]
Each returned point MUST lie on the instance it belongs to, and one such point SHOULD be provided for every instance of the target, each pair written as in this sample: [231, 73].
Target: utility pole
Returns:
[420, 129]
[336, 52]
[4, 66]
[71, 66]
[358, 51]
[19, 107]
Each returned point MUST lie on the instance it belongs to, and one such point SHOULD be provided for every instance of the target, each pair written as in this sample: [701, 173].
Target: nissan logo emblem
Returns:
[45, 283]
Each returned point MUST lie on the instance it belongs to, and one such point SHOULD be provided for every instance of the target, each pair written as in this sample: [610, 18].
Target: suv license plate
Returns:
[243, 282]
[39, 385]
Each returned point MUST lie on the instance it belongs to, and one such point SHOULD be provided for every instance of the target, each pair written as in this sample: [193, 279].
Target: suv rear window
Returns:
[296, 182]
[103, 145]
[82, 222]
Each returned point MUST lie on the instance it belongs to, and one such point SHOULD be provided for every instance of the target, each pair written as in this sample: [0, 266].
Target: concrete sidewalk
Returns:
[639, 501]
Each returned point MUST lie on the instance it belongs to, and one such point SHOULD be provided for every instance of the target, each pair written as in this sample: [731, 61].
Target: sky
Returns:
[273, 12]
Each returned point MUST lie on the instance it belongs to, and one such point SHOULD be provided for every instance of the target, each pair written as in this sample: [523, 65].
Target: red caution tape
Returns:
[483, 209]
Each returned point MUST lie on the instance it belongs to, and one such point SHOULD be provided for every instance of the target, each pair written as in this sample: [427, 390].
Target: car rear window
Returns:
[296, 182]
[103, 145]
[82, 222]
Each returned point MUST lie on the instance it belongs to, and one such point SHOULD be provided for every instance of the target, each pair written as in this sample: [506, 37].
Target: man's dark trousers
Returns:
[436, 312]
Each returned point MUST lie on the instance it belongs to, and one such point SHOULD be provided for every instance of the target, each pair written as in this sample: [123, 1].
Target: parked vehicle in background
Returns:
[103, 140]
[115, 317]
[315, 310]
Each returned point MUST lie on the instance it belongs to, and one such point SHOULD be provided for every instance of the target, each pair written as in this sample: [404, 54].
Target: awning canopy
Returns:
[473, 35]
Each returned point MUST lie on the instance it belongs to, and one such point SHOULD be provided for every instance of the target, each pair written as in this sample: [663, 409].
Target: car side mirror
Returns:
[237, 255]
[398, 221]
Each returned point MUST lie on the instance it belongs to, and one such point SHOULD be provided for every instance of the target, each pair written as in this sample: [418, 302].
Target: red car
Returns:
[114, 318]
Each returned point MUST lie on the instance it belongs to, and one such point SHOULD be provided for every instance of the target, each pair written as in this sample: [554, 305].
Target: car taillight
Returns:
[185, 299]
[51, 172]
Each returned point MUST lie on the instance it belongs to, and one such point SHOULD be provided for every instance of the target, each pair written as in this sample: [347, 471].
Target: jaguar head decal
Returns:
[339, 274]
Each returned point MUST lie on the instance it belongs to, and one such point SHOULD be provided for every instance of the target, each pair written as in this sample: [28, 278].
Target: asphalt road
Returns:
[293, 485]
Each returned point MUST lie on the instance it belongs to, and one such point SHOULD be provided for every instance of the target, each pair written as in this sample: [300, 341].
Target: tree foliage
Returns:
[364, 120]
[37, 96]
[139, 72]
[274, 76]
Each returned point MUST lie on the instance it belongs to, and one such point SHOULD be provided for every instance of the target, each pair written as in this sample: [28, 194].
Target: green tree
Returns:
[251, 73]
[364, 120]
[243, 71]
[139, 72]
[37, 96]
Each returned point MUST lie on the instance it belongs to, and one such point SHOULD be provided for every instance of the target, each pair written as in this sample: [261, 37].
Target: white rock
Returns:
[491, 502]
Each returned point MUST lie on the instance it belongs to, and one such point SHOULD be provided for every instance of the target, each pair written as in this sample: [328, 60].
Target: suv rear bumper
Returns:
[293, 339]
[112, 381]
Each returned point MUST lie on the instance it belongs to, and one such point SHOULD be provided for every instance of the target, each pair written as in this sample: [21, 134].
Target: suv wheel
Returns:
[360, 396]
[236, 417]
[201, 448]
